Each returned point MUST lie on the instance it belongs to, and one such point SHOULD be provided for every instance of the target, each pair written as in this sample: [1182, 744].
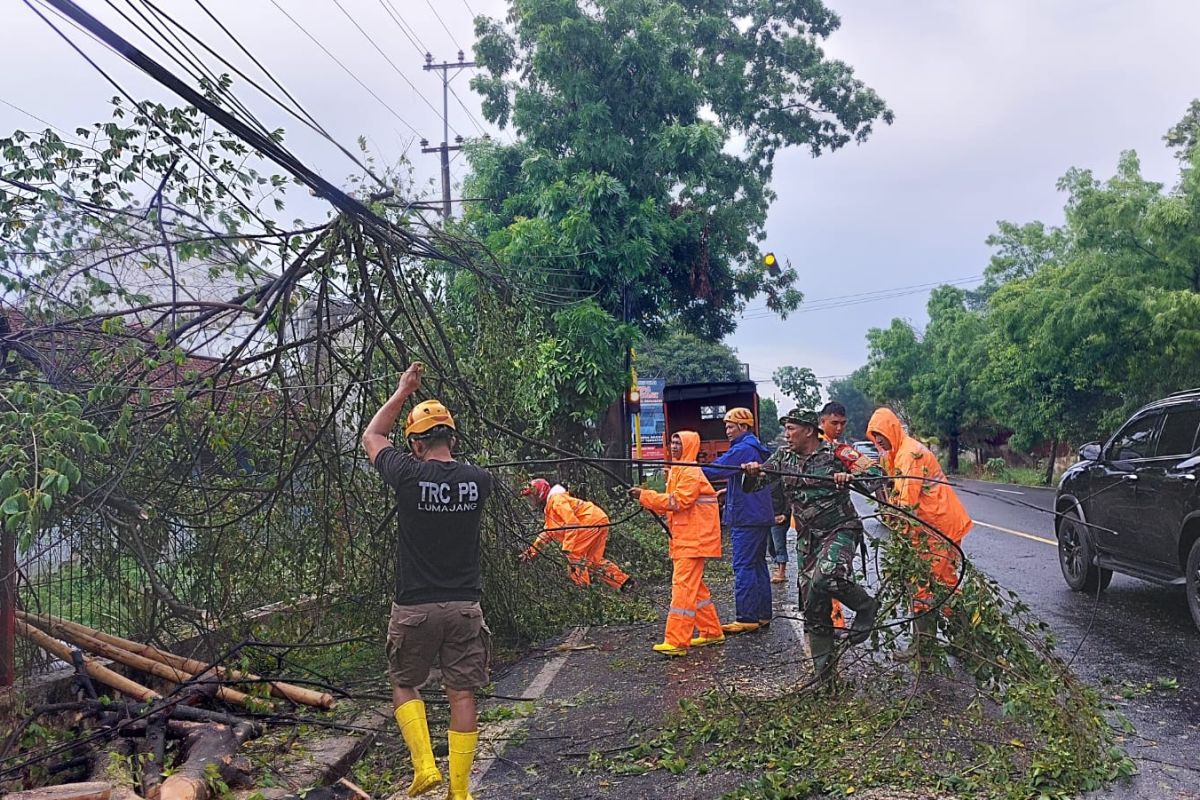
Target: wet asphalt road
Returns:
[1135, 634]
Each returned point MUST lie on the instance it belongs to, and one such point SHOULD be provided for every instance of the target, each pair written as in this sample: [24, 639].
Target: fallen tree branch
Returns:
[146, 664]
[296, 694]
[101, 673]
[211, 747]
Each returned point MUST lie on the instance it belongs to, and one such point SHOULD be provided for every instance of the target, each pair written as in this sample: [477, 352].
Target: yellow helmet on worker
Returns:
[740, 416]
[425, 416]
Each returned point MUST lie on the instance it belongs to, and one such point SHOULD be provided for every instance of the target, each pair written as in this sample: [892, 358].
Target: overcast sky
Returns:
[994, 100]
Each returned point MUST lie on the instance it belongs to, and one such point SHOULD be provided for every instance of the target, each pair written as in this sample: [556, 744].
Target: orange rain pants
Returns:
[691, 604]
[586, 558]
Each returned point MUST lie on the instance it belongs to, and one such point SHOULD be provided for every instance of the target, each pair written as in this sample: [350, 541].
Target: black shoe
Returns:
[629, 586]
[864, 622]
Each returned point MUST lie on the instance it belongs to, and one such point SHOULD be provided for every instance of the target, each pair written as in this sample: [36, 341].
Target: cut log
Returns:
[297, 694]
[98, 671]
[213, 746]
[92, 790]
[152, 759]
[243, 729]
[112, 762]
[144, 663]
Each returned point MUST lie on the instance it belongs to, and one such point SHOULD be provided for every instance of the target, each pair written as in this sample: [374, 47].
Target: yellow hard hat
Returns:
[426, 415]
[740, 416]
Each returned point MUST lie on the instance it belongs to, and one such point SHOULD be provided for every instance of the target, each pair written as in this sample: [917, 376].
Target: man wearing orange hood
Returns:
[581, 527]
[690, 503]
[918, 486]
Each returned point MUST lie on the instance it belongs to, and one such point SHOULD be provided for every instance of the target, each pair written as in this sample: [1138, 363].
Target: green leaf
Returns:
[14, 504]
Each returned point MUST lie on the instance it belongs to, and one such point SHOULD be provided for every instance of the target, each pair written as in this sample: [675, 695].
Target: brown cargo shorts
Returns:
[453, 632]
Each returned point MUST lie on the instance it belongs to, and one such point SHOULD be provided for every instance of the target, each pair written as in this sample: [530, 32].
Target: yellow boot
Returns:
[415, 730]
[462, 755]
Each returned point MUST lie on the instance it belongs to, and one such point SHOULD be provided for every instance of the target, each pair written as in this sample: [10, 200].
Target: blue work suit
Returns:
[749, 516]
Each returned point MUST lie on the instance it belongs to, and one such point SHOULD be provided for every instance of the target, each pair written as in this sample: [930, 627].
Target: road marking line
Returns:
[1007, 491]
[497, 735]
[1022, 534]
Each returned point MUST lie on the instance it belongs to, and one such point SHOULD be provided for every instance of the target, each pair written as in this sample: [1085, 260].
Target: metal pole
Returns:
[443, 150]
[8, 607]
[445, 144]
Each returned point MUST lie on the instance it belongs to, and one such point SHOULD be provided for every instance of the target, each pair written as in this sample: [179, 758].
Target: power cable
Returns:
[296, 110]
[396, 18]
[842, 301]
[391, 63]
[185, 58]
[443, 22]
[347, 70]
[81, 20]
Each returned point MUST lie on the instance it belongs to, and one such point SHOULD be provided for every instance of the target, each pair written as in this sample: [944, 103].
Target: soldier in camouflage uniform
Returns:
[821, 504]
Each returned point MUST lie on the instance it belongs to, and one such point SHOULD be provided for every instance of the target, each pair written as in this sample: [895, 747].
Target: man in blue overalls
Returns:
[749, 517]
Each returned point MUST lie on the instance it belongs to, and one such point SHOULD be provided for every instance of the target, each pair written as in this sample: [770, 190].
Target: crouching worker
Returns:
[436, 611]
[815, 483]
[582, 529]
[690, 503]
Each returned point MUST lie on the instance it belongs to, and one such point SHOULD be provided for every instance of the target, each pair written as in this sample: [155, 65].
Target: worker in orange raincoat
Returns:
[581, 527]
[918, 486]
[690, 503]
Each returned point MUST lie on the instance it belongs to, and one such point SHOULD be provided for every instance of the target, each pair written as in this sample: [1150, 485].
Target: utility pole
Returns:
[445, 147]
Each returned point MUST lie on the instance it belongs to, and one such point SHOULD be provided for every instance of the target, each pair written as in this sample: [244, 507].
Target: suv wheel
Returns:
[1193, 582]
[1075, 557]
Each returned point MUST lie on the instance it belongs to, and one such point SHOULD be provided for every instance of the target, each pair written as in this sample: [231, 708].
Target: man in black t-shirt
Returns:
[435, 610]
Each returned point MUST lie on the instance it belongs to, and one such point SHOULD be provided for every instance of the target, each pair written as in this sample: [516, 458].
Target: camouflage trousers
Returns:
[827, 573]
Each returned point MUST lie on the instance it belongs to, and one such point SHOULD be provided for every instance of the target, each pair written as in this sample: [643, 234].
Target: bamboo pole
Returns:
[144, 663]
[297, 694]
[97, 671]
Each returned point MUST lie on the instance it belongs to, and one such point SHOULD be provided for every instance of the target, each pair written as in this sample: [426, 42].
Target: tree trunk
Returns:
[1051, 459]
[207, 748]
[953, 459]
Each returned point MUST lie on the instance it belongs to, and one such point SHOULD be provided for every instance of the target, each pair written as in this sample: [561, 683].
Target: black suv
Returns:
[1139, 495]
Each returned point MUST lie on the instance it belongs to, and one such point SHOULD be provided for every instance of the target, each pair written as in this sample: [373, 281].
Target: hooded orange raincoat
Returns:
[690, 504]
[582, 528]
[934, 502]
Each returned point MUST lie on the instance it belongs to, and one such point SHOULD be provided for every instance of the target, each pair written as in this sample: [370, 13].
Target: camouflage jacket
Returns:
[818, 505]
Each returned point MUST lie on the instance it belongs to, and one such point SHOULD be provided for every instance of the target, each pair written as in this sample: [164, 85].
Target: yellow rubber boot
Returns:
[462, 756]
[415, 730]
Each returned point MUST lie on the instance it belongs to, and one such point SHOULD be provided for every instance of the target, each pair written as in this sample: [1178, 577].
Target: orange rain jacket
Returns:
[568, 518]
[935, 503]
[690, 504]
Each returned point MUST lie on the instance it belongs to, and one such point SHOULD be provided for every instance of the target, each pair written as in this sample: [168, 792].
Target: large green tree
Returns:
[932, 376]
[624, 185]
[1074, 327]
[681, 357]
[800, 385]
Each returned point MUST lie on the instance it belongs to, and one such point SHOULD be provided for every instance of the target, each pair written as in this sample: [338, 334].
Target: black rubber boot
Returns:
[821, 647]
[866, 610]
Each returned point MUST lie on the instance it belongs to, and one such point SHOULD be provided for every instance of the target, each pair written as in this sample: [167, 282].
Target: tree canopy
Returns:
[1074, 327]
[681, 357]
[800, 385]
[622, 186]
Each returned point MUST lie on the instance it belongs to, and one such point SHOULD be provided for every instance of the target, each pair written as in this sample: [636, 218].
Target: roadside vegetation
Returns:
[992, 712]
[1073, 327]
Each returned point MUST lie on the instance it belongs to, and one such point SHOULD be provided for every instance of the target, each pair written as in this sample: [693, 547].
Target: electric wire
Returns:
[347, 70]
[443, 24]
[391, 63]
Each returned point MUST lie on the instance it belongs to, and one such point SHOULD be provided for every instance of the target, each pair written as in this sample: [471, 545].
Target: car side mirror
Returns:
[1090, 452]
